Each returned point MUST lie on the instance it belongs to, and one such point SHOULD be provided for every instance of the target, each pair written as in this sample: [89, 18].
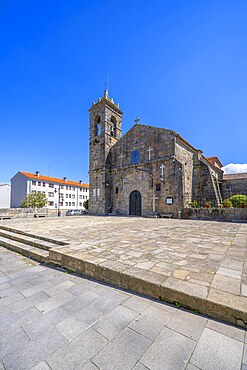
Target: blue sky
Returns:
[176, 64]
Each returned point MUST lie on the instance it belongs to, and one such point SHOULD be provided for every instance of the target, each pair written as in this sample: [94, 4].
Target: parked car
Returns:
[76, 212]
[73, 212]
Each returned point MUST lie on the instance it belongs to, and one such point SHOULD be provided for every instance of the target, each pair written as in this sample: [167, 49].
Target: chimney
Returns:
[37, 173]
[65, 179]
[80, 181]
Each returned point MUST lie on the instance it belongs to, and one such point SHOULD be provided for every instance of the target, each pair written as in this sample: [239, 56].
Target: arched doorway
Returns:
[135, 206]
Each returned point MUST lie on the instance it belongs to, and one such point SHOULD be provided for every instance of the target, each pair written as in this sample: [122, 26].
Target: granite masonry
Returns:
[149, 170]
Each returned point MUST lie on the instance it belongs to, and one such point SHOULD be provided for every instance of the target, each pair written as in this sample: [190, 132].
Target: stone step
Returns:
[39, 237]
[27, 240]
[37, 254]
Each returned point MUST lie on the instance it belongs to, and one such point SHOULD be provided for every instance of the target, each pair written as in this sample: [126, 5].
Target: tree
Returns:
[34, 200]
[85, 204]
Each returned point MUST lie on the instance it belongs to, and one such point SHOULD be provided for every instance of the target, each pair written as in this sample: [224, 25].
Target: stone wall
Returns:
[233, 186]
[204, 189]
[185, 156]
[218, 214]
[21, 212]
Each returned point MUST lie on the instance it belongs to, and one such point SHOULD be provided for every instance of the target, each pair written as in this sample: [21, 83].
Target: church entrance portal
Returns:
[135, 203]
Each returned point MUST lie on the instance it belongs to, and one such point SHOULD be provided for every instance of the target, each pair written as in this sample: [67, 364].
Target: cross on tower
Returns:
[149, 153]
[137, 120]
[162, 169]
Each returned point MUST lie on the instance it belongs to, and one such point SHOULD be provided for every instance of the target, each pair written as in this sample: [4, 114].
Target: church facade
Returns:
[149, 170]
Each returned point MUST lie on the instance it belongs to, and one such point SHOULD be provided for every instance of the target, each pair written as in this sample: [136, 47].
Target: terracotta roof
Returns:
[213, 159]
[33, 176]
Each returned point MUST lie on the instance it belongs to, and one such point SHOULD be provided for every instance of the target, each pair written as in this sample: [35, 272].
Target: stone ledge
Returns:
[214, 303]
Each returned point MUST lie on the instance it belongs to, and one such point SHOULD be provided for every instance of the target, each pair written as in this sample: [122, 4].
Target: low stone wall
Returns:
[22, 212]
[221, 214]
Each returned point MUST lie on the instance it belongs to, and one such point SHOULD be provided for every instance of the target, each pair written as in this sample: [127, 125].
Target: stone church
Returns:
[147, 171]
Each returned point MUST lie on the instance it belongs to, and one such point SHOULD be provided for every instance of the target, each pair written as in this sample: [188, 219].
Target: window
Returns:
[73, 196]
[34, 183]
[70, 188]
[113, 126]
[84, 190]
[39, 183]
[94, 192]
[50, 194]
[98, 192]
[80, 204]
[80, 196]
[69, 195]
[66, 203]
[157, 187]
[97, 126]
[135, 156]
[81, 189]
[51, 185]
[69, 203]
[66, 195]
[67, 187]
[84, 197]
[44, 184]
[116, 191]
[73, 188]
[61, 186]
[51, 204]
[73, 203]
[169, 200]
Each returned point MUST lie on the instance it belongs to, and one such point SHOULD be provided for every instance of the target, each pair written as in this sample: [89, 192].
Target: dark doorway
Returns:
[135, 203]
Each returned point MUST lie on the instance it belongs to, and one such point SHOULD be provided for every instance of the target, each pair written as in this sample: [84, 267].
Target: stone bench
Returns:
[166, 215]
[5, 217]
[36, 215]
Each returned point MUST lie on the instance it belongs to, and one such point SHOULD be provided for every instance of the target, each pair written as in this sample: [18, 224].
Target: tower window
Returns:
[97, 126]
[157, 187]
[113, 126]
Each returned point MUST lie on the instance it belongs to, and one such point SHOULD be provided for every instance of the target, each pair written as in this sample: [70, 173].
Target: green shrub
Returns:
[227, 203]
[239, 200]
[193, 204]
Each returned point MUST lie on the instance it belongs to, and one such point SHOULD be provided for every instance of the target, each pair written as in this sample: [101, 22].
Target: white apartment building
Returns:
[4, 195]
[60, 193]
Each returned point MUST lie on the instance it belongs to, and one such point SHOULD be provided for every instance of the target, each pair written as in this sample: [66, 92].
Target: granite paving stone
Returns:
[34, 351]
[151, 322]
[176, 352]
[77, 352]
[188, 324]
[216, 351]
[123, 351]
[226, 329]
[114, 322]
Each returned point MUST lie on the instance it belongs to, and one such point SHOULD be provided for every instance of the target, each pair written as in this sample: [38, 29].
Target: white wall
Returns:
[5, 195]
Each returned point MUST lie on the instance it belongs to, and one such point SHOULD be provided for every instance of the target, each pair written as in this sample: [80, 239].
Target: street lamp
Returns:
[58, 202]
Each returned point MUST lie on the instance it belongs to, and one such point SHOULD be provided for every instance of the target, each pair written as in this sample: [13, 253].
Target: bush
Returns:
[207, 205]
[227, 203]
[193, 204]
[239, 201]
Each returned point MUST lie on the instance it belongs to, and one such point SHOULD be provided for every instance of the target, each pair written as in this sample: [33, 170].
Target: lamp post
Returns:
[58, 200]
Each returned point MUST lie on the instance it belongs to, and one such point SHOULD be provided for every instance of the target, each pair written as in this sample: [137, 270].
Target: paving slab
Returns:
[119, 330]
[201, 265]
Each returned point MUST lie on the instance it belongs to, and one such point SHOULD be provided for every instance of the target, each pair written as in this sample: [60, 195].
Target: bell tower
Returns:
[105, 131]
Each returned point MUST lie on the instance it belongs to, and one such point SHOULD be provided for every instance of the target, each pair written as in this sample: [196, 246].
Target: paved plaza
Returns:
[50, 319]
[199, 264]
